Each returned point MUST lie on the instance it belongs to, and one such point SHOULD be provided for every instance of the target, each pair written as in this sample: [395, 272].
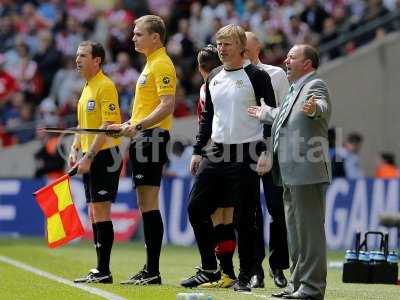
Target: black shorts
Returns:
[226, 184]
[227, 168]
[101, 182]
[148, 154]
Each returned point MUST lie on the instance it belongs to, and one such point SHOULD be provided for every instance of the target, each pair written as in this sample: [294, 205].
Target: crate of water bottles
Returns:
[370, 266]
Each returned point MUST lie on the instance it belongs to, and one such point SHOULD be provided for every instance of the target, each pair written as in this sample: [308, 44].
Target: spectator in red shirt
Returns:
[25, 71]
[8, 84]
[81, 10]
[181, 106]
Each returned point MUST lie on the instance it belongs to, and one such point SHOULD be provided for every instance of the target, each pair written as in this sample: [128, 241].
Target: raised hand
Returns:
[310, 106]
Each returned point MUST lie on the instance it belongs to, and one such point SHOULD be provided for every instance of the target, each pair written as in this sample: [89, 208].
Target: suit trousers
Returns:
[305, 218]
[278, 247]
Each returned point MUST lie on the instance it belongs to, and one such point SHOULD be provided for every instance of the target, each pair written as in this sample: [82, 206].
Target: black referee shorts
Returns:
[101, 182]
[148, 154]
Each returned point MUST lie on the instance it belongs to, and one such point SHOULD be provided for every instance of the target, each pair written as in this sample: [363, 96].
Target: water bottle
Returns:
[392, 257]
[193, 296]
[377, 257]
[393, 268]
[381, 270]
[351, 255]
[355, 269]
[364, 257]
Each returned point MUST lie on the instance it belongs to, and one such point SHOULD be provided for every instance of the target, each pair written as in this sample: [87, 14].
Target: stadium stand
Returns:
[39, 40]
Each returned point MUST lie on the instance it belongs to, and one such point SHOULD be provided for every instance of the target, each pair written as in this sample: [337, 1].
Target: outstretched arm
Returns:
[318, 104]
[265, 113]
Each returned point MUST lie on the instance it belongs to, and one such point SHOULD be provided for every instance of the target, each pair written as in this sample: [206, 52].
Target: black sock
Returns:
[206, 241]
[105, 239]
[94, 227]
[225, 248]
[153, 236]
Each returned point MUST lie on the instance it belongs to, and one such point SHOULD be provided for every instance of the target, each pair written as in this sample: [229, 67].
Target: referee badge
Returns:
[91, 105]
[142, 79]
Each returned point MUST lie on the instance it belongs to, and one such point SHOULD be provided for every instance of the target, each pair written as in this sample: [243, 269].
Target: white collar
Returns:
[298, 83]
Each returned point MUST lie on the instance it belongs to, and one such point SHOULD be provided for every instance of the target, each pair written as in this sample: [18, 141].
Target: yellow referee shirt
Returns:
[158, 78]
[98, 104]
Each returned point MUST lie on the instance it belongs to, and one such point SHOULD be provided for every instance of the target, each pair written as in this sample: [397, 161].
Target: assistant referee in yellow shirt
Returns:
[149, 125]
[101, 162]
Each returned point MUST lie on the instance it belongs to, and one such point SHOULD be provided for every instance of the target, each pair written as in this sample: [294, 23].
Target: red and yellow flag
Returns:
[63, 223]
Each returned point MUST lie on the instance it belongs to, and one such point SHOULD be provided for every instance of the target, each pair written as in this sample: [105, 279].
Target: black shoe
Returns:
[95, 276]
[279, 277]
[143, 277]
[257, 282]
[241, 286]
[201, 276]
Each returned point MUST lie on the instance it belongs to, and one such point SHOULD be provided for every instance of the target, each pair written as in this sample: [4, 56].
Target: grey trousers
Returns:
[305, 218]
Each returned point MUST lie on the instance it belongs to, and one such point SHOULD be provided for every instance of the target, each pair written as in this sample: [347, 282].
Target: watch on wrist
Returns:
[138, 127]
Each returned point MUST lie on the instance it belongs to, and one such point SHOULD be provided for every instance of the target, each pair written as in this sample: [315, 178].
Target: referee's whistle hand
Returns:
[194, 164]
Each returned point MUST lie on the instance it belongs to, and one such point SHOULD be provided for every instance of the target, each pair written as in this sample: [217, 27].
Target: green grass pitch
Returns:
[176, 263]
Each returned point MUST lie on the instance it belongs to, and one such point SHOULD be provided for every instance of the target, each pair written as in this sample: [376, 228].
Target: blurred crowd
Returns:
[346, 161]
[40, 87]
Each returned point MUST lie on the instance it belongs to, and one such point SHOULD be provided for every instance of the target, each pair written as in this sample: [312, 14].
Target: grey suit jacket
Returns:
[302, 153]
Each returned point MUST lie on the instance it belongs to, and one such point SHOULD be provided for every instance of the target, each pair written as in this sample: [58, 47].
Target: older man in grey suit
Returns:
[299, 147]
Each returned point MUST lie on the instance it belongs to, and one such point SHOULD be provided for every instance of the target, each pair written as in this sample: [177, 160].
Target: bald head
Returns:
[253, 47]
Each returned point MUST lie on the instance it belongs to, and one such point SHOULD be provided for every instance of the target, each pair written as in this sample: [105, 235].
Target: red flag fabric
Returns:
[63, 223]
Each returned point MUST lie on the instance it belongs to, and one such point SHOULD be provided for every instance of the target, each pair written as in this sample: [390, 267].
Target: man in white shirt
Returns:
[279, 80]
[278, 248]
[230, 166]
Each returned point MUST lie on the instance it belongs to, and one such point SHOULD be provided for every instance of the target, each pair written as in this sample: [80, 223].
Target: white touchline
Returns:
[91, 290]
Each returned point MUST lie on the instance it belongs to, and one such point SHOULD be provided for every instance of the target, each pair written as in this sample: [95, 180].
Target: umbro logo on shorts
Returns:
[102, 192]
[139, 176]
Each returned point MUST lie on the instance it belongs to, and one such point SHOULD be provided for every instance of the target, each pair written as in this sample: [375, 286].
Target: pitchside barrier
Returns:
[351, 206]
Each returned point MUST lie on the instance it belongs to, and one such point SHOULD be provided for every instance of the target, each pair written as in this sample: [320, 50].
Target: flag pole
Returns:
[73, 171]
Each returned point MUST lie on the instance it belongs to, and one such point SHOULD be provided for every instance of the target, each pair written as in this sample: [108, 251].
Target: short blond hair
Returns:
[153, 24]
[233, 31]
